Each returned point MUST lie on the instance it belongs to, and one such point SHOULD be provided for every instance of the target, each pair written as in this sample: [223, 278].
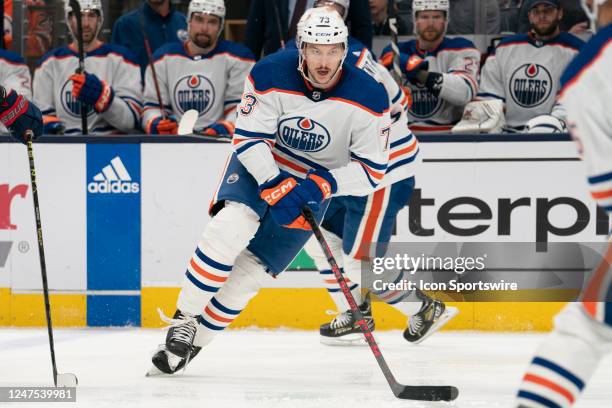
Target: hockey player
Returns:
[352, 224]
[302, 135]
[524, 73]
[582, 333]
[14, 73]
[19, 115]
[109, 89]
[204, 73]
[440, 72]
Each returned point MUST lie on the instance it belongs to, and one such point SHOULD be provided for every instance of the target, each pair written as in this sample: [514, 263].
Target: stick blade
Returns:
[426, 392]
[188, 121]
[67, 380]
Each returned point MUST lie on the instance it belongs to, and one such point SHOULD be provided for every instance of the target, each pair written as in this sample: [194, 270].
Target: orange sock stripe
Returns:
[205, 274]
[550, 385]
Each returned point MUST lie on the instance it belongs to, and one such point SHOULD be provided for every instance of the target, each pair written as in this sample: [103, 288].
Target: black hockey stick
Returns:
[66, 379]
[410, 392]
[151, 64]
[76, 9]
[278, 24]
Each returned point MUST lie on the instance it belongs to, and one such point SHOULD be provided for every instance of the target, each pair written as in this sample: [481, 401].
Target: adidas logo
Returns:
[113, 179]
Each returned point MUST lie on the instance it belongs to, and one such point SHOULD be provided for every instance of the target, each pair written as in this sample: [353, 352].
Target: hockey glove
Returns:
[285, 204]
[221, 127]
[319, 185]
[159, 126]
[89, 89]
[414, 67]
[19, 115]
[53, 126]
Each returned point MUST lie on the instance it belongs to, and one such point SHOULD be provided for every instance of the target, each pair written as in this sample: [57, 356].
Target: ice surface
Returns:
[252, 368]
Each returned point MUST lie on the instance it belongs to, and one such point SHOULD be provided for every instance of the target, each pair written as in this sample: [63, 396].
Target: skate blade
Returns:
[449, 313]
[155, 372]
[350, 340]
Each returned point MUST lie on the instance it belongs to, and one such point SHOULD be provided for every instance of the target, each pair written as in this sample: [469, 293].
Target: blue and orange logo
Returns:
[425, 104]
[194, 92]
[303, 134]
[530, 85]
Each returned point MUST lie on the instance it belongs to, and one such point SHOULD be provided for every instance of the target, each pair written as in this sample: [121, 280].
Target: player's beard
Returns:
[431, 34]
[546, 30]
[89, 36]
[202, 40]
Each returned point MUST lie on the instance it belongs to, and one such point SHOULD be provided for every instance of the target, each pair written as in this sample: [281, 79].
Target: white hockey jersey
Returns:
[109, 62]
[525, 73]
[586, 92]
[284, 123]
[211, 84]
[403, 145]
[14, 73]
[458, 60]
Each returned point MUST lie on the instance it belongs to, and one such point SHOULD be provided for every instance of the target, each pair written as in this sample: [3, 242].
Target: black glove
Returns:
[19, 115]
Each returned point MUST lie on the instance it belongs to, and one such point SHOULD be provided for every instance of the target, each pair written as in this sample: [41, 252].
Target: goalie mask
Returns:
[323, 28]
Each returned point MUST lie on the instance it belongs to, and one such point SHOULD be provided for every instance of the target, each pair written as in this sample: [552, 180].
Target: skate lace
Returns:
[415, 324]
[341, 319]
[184, 327]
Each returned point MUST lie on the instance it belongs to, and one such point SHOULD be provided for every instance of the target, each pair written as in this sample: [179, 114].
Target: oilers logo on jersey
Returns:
[530, 85]
[194, 92]
[303, 134]
[71, 104]
[424, 103]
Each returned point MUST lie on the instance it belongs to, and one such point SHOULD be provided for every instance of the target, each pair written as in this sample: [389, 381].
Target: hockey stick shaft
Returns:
[152, 65]
[397, 72]
[278, 24]
[76, 9]
[41, 252]
[424, 393]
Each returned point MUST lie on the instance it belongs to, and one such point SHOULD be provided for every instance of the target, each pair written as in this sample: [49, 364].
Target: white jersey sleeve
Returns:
[14, 73]
[238, 71]
[43, 89]
[255, 134]
[587, 89]
[460, 84]
[125, 110]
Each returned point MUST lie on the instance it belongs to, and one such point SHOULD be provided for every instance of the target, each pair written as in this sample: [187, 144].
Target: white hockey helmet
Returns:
[591, 11]
[322, 27]
[86, 5]
[308, 14]
[429, 5]
[344, 3]
[212, 7]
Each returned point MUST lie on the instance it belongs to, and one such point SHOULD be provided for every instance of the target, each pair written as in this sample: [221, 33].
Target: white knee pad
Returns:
[229, 231]
[314, 250]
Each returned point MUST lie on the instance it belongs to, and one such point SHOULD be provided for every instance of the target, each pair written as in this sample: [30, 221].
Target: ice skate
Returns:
[343, 330]
[432, 317]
